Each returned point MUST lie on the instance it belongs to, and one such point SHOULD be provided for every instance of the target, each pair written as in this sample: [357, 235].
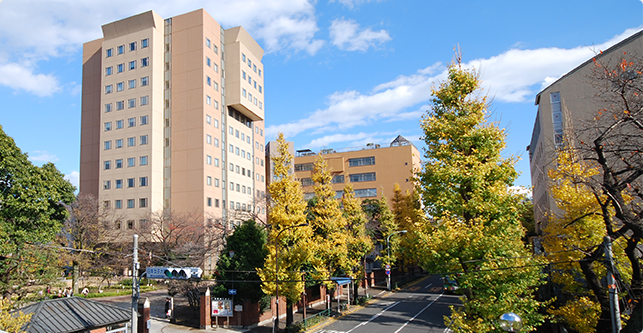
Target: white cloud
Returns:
[521, 190]
[345, 34]
[73, 177]
[42, 157]
[36, 30]
[22, 77]
[351, 3]
[512, 76]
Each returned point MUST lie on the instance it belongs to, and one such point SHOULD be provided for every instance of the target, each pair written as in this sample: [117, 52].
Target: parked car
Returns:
[450, 284]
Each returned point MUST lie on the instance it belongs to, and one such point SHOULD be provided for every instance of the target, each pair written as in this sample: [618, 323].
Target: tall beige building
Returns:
[173, 118]
[373, 170]
[564, 108]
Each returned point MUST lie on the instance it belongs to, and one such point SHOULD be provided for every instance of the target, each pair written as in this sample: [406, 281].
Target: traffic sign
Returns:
[232, 291]
[388, 272]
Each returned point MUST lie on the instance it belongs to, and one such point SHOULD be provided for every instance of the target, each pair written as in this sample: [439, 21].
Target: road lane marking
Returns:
[417, 314]
[428, 285]
[374, 316]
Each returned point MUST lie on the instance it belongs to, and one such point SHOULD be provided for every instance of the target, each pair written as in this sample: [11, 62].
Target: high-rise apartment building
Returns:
[173, 118]
[373, 170]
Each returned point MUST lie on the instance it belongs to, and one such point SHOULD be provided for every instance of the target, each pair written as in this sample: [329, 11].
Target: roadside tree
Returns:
[475, 233]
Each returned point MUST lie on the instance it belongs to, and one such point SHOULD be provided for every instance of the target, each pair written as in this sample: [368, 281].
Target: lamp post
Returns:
[510, 322]
[275, 325]
[388, 248]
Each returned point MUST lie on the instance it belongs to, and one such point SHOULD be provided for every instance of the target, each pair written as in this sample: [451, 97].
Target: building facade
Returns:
[372, 170]
[564, 107]
[173, 119]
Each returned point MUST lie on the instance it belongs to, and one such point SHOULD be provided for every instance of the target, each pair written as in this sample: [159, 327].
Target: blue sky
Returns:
[338, 73]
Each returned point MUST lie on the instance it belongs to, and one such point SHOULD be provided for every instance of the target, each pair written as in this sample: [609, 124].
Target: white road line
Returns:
[428, 285]
[374, 316]
[417, 314]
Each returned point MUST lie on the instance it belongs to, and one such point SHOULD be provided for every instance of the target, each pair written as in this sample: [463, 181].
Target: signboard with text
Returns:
[221, 307]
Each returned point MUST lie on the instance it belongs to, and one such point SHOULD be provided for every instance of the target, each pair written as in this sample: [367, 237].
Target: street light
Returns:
[510, 322]
[388, 248]
[275, 325]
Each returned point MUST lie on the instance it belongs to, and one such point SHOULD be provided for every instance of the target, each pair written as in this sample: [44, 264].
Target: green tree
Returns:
[329, 227]
[476, 230]
[359, 242]
[408, 213]
[245, 250]
[286, 212]
[32, 210]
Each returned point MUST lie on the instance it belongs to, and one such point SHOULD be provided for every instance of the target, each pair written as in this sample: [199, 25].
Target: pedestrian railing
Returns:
[315, 319]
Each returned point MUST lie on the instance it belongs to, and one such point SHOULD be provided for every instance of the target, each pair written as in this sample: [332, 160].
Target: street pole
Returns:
[614, 310]
[388, 248]
[135, 289]
[275, 325]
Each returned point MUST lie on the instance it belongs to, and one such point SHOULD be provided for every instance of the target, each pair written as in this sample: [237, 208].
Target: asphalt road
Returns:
[420, 307]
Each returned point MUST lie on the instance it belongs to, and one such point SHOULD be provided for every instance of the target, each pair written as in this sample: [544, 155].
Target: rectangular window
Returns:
[362, 177]
[132, 64]
[216, 104]
[237, 151]
[108, 89]
[131, 84]
[216, 203]
[208, 139]
[216, 162]
[231, 130]
[208, 159]
[144, 43]
[208, 119]
[119, 143]
[243, 74]
[130, 182]
[249, 79]
[208, 100]
[130, 203]
[120, 49]
[120, 105]
[209, 202]
[118, 204]
[337, 179]
[303, 167]
[107, 165]
[216, 142]
[108, 126]
[259, 72]
[208, 181]
[131, 142]
[131, 103]
[119, 163]
[254, 68]
[557, 118]
[207, 42]
[216, 182]
[145, 100]
[231, 167]
[260, 89]
[120, 86]
[108, 70]
[249, 63]
[215, 67]
[119, 183]
[236, 133]
[208, 62]
[107, 185]
[366, 192]
[131, 122]
[216, 123]
[208, 80]
[108, 107]
[243, 57]
[144, 120]
[215, 86]
[107, 145]
[142, 160]
[109, 52]
[306, 182]
[145, 81]
[145, 62]
[243, 92]
[119, 124]
[120, 68]
[215, 49]
[143, 139]
[131, 161]
[361, 161]
[132, 46]
[142, 181]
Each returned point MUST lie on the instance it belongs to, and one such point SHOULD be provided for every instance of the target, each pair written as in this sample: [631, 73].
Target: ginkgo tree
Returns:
[288, 236]
[475, 233]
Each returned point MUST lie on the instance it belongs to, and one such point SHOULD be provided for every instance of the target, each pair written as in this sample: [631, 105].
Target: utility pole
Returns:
[135, 287]
[614, 310]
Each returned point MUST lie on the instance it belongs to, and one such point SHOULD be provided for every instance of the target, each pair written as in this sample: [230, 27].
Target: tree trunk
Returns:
[289, 316]
[74, 278]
